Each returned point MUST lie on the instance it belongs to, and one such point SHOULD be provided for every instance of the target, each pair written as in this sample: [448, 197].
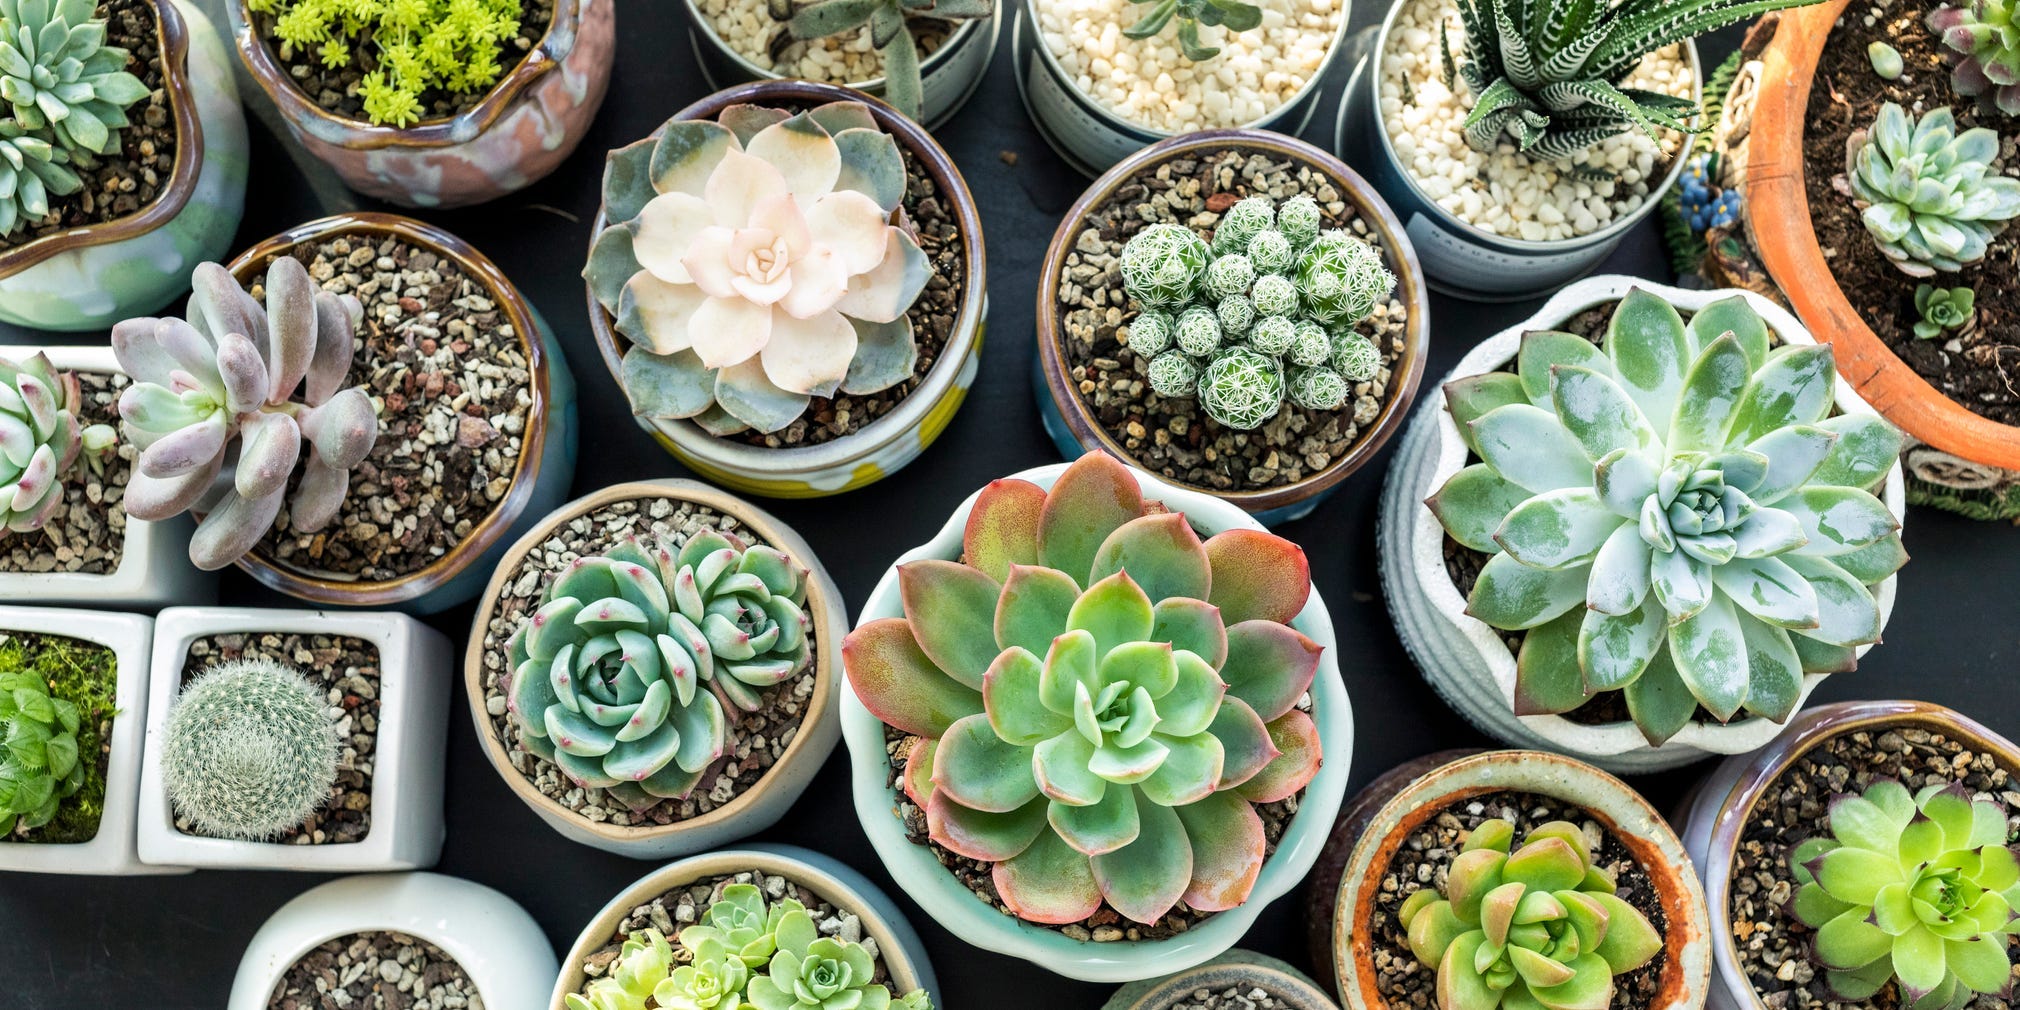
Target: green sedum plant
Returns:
[1982, 43]
[1536, 927]
[1942, 309]
[1929, 195]
[414, 47]
[1233, 15]
[1675, 515]
[890, 32]
[1101, 699]
[61, 79]
[250, 750]
[40, 440]
[1917, 888]
[39, 762]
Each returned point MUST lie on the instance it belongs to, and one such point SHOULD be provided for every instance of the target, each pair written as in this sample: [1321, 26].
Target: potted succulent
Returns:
[824, 360]
[75, 694]
[420, 935]
[1124, 806]
[336, 717]
[768, 926]
[151, 115]
[1845, 782]
[1507, 878]
[1232, 980]
[722, 652]
[1745, 547]
[436, 104]
[1260, 360]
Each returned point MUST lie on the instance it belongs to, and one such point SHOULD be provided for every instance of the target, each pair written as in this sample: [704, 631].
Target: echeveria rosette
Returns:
[1100, 698]
[1931, 197]
[1921, 888]
[1982, 44]
[815, 972]
[40, 439]
[59, 77]
[642, 965]
[753, 264]
[1677, 516]
[741, 924]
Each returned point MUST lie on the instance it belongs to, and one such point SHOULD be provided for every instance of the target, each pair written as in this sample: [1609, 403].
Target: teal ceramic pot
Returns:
[89, 278]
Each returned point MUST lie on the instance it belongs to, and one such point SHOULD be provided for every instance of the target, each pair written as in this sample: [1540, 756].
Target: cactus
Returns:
[1236, 314]
[31, 170]
[228, 378]
[1173, 375]
[1356, 358]
[1198, 331]
[1273, 336]
[1163, 264]
[1247, 218]
[1341, 278]
[1928, 194]
[250, 750]
[1317, 388]
[1982, 43]
[1310, 346]
[60, 77]
[1229, 275]
[1300, 219]
[41, 767]
[40, 439]
[1274, 294]
[1242, 388]
[1150, 333]
[1942, 309]
[1271, 251]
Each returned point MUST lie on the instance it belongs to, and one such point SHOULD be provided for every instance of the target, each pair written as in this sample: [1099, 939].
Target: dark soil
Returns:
[1979, 367]
[86, 674]
[89, 536]
[335, 89]
[376, 971]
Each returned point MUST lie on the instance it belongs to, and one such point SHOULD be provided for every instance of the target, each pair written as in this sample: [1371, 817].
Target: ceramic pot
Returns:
[898, 947]
[406, 792]
[918, 870]
[1242, 971]
[522, 130]
[1399, 803]
[885, 445]
[91, 277]
[1466, 660]
[1719, 810]
[493, 940]
[547, 447]
[1072, 423]
[112, 850]
[757, 807]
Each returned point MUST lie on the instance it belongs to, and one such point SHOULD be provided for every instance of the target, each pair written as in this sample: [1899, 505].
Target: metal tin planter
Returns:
[948, 76]
[1072, 424]
[523, 128]
[886, 444]
[1460, 259]
[1090, 136]
[91, 277]
[1243, 971]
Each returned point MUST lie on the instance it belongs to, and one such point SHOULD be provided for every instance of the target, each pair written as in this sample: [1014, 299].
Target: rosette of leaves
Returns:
[1675, 515]
[643, 963]
[1927, 194]
[40, 440]
[1539, 926]
[1233, 15]
[61, 79]
[1100, 698]
[742, 924]
[1942, 309]
[1917, 888]
[890, 32]
[1982, 43]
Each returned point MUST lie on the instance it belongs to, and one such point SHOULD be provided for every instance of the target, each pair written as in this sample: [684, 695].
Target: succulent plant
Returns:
[1162, 265]
[40, 440]
[227, 379]
[1341, 278]
[415, 46]
[706, 983]
[743, 925]
[814, 972]
[1536, 927]
[1243, 388]
[1241, 223]
[753, 264]
[1928, 194]
[61, 78]
[31, 170]
[1982, 43]
[39, 763]
[644, 962]
[250, 750]
[1886, 60]
[1917, 888]
[890, 33]
[1356, 358]
[1100, 697]
[1234, 15]
[1942, 309]
[1676, 515]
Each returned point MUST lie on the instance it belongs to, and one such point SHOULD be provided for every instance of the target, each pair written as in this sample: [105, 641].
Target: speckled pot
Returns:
[1243, 971]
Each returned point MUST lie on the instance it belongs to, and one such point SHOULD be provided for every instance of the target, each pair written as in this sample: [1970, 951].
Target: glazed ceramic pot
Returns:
[410, 744]
[547, 449]
[1465, 659]
[89, 278]
[764, 802]
[1241, 971]
[492, 939]
[524, 127]
[112, 851]
[1381, 820]
[1072, 423]
[1718, 812]
[886, 444]
[947, 899]
[898, 947]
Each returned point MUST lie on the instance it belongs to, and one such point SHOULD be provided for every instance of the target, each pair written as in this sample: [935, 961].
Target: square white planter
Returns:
[112, 851]
[154, 568]
[406, 830]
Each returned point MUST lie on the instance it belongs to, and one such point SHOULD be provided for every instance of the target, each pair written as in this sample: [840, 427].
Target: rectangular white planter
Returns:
[112, 851]
[406, 831]
[154, 568]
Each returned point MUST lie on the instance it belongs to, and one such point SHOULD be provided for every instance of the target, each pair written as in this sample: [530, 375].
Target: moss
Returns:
[86, 674]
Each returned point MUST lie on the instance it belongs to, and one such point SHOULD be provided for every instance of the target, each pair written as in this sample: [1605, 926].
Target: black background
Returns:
[174, 943]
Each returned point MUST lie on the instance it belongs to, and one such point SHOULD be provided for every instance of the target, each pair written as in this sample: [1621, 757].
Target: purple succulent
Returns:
[1983, 46]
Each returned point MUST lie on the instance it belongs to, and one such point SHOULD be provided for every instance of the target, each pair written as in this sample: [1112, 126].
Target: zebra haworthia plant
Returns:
[1676, 515]
[1098, 697]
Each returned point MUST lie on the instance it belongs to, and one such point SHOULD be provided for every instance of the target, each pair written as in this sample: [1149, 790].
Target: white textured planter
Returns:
[493, 940]
[947, 900]
[1463, 658]
[406, 831]
[153, 569]
[112, 850]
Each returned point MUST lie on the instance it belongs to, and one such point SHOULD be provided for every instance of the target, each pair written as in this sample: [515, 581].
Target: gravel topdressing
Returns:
[376, 971]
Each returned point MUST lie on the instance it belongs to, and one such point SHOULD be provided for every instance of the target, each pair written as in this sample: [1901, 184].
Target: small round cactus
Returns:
[1162, 264]
[1197, 331]
[1236, 314]
[1229, 275]
[1356, 358]
[1299, 219]
[250, 750]
[1173, 375]
[1318, 389]
[1242, 388]
[1150, 333]
[1273, 335]
[1241, 223]
[1342, 277]
[1271, 252]
[1310, 346]
[1274, 295]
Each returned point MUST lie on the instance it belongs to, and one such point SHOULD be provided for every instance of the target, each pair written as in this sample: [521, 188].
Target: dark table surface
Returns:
[174, 943]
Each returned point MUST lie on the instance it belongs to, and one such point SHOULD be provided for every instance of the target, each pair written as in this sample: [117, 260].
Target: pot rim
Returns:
[532, 447]
[963, 30]
[1236, 965]
[173, 35]
[767, 529]
[1404, 377]
[728, 454]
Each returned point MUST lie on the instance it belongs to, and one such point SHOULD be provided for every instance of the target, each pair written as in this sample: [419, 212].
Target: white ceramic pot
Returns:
[406, 831]
[495, 942]
[112, 850]
[1466, 660]
[946, 899]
